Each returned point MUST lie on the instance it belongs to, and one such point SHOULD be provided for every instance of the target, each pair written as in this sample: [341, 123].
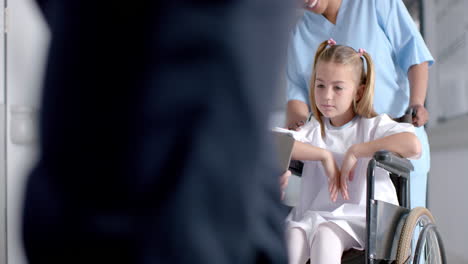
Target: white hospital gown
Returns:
[314, 206]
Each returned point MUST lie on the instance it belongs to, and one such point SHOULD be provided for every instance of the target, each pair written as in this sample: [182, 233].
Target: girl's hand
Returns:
[331, 169]
[347, 171]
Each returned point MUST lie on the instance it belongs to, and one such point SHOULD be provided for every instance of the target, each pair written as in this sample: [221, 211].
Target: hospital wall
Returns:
[446, 33]
[448, 181]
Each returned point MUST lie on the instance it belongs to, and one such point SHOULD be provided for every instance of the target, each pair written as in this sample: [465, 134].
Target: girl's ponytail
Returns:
[364, 106]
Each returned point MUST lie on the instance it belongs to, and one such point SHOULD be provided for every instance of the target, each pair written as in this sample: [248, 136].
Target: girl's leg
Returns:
[298, 248]
[329, 243]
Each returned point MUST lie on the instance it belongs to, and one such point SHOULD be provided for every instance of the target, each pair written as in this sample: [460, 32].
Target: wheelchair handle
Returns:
[408, 116]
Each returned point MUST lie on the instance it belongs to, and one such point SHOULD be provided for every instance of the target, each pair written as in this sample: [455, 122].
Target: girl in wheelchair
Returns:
[335, 146]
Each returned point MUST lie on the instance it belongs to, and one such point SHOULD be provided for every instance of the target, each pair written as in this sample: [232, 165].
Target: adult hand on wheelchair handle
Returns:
[420, 115]
[416, 114]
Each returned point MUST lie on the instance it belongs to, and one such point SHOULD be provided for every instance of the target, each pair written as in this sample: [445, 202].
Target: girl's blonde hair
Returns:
[347, 56]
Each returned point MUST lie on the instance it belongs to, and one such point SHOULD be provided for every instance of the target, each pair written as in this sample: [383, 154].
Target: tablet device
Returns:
[283, 144]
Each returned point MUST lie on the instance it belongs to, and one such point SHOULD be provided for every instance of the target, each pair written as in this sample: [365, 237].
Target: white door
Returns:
[25, 59]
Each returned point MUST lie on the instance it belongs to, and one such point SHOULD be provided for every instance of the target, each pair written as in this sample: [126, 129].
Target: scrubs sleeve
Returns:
[296, 87]
[407, 43]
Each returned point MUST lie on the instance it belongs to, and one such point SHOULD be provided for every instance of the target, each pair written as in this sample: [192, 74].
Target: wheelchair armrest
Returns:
[393, 163]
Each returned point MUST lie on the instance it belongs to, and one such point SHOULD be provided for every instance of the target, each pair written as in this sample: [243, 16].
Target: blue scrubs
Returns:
[386, 30]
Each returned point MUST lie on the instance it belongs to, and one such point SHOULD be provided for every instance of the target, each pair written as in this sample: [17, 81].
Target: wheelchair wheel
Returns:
[428, 247]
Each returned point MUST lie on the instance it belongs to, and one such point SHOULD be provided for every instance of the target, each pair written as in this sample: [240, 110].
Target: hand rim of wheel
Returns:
[414, 217]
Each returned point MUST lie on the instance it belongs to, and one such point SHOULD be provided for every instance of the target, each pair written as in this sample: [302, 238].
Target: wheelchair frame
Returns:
[385, 221]
[382, 217]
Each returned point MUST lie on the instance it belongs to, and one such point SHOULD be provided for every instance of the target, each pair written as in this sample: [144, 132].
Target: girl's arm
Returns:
[303, 151]
[406, 144]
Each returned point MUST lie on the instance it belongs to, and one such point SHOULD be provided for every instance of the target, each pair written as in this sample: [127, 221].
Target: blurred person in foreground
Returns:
[152, 146]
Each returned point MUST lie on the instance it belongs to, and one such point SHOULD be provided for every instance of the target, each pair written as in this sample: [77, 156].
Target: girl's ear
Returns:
[360, 92]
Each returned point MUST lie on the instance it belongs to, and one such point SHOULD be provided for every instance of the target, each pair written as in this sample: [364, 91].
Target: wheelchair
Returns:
[394, 234]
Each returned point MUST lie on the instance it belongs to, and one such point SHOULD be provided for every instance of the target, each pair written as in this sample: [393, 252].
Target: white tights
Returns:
[329, 243]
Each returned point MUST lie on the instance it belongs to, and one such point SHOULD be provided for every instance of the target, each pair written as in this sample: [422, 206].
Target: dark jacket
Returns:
[153, 146]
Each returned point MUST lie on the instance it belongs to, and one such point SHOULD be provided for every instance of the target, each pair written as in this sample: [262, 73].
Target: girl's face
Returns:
[316, 6]
[336, 86]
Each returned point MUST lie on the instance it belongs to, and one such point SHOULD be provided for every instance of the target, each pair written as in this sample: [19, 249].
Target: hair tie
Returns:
[331, 42]
[361, 52]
